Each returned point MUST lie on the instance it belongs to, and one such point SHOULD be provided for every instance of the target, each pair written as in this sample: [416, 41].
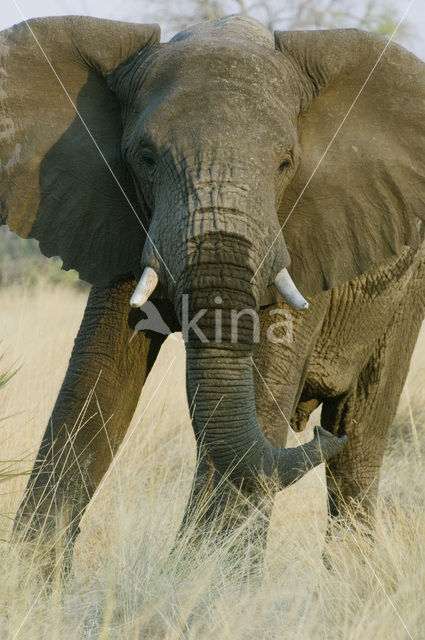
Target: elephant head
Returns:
[186, 160]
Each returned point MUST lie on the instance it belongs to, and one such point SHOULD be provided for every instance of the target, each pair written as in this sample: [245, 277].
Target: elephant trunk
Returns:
[219, 374]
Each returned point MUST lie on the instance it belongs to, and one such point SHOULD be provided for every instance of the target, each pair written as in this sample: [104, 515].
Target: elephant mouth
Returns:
[283, 287]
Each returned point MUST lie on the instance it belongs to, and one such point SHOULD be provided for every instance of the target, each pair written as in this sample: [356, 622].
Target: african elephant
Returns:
[204, 168]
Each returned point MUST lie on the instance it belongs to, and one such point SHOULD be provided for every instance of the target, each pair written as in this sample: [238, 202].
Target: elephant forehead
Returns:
[202, 58]
[230, 27]
[192, 69]
[226, 119]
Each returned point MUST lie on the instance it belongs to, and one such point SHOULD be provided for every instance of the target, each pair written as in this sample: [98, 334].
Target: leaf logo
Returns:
[152, 322]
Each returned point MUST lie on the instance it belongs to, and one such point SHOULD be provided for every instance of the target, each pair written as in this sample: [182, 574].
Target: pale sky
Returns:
[153, 11]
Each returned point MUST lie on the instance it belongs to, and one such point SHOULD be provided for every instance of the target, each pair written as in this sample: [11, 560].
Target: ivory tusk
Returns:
[145, 288]
[289, 292]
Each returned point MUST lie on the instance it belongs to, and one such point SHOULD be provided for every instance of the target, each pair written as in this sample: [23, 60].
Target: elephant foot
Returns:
[46, 539]
[227, 524]
[353, 528]
[47, 548]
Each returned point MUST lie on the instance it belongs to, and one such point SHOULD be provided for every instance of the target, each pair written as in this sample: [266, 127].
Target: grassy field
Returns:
[124, 584]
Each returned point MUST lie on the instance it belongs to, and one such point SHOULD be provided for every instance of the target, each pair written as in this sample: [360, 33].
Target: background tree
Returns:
[381, 16]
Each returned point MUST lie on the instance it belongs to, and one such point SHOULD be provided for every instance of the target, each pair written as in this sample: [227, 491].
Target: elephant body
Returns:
[202, 169]
[350, 355]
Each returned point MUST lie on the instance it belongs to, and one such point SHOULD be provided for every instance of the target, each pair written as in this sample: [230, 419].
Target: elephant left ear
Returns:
[63, 180]
[358, 196]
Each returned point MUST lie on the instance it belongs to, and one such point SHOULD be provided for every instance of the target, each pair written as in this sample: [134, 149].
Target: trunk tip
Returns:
[329, 444]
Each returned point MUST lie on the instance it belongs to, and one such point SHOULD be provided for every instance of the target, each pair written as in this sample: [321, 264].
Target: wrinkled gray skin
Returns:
[222, 128]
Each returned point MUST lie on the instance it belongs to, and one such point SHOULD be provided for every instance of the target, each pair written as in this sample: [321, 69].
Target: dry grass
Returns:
[126, 586]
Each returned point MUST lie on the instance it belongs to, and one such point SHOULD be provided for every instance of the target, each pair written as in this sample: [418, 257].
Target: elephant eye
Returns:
[286, 164]
[148, 162]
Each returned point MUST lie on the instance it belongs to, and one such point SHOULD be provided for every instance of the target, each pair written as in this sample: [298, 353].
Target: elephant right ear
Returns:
[357, 199]
[63, 180]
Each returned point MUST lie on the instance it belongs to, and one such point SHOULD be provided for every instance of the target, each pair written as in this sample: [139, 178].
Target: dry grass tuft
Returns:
[126, 582]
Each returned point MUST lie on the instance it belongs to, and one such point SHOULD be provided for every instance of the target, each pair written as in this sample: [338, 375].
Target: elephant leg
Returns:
[201, 495]
[241, 520]
[92, 412]
[232, 517]
[366, 413]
